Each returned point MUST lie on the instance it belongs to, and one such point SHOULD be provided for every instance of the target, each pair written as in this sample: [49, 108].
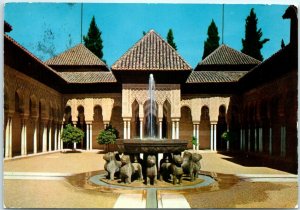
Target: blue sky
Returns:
[122, 25]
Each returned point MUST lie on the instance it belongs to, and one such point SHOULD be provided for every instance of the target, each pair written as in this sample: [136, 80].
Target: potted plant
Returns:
[108, 136]
[194, 142]
[72, 135]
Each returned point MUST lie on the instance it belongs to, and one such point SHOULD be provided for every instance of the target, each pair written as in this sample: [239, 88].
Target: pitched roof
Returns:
[225, 55]
[7, 27]
[215, 76]
[88, 77]
[76, 56]
[151, 53]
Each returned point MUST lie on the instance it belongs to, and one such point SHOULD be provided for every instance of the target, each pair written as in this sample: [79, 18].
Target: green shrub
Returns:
[108, 136]
[72, 134]
[194, 141]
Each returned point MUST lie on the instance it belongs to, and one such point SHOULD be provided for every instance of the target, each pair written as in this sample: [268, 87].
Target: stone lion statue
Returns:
[138, 171]
[191, 164]
[176, 169]
[165, 169]
[151, 171]
[126, 170]
[112, 166]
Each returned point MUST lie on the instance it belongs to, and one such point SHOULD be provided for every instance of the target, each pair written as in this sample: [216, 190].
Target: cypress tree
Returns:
[170, 39]
[212, 41]
[252, 43]
[93, 39]
[282, 44]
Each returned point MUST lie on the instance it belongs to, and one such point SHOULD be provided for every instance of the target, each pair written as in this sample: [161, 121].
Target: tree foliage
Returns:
[46, 47]
[282, 44]
[93, 39]
[194, 140]
[212, 41]
[108, 135]
[252, 43]
[72, 134]
[170, 39]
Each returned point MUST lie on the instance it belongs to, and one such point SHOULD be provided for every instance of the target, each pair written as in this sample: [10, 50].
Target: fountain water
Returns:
[151, 124]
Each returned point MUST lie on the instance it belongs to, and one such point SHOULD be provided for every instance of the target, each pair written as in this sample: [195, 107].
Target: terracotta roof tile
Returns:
[225, 55]
[215, 76]
[88, 77]
[76, 56]
[151, 53]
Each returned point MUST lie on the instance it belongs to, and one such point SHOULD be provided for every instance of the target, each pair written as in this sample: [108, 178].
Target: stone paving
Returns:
[39, 177]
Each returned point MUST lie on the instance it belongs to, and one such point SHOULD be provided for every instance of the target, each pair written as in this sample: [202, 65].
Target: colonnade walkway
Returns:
[42, 182]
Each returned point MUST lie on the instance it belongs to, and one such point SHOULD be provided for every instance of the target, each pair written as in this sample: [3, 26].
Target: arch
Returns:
[135, 120]
[98, 125]
[67, 115]
[33, 106]
[221, 127]
[166, 123]
[19, 101]
[81, 124]
[186, 125]
[116, 119]
[204, 128]
[7, 105]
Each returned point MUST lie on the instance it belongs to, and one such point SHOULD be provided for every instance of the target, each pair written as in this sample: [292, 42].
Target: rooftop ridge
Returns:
[207, 60]
[142, 43]
[78, 55]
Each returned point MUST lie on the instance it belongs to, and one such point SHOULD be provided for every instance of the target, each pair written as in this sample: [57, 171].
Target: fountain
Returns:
[151, 144]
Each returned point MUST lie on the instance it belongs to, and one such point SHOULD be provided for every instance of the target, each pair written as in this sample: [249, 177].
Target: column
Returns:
[197, 136]
[177, 130]
[213, 135]
[173, 129]
[160, 128]
[44, 123]
[55, 136]
[241, 139]
[74, 123]
[128, 127]
[50, 136]
[270, 141]
[91, 136]
[8, 138]
[255, 139]
[260, 139]
[125, 130]
[35, 137]
[141, 128]
[249, 136]
[87, 136]
[24, 138]
[194, 134]
[59, 136]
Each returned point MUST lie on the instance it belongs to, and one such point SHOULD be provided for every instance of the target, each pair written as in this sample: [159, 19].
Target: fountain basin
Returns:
[134, 146]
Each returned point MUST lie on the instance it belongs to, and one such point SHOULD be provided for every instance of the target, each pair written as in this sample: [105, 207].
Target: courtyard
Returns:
[56, 180]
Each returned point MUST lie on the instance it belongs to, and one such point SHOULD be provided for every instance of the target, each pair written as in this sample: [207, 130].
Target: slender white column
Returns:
[194, 134]
[211, 137]
[44, 137]
[255, 139]
[87, 136]
[197, 136]
[50, 137]
[215, 137]
[60, 133]
[141, 129]
[10, 139]
[35, 137]
[75, 145]
[55, 136]
[23, 138]
[177, 130]
[173, 129]
[125, 130]
[128, 127]
[160, 129]
[91, 136]
[7, 137]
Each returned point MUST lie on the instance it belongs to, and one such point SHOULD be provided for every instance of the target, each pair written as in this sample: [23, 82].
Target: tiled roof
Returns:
[225, 55]
[215, 76]
[151, 53]
[76, 56]
[7, 27]
[88, 77]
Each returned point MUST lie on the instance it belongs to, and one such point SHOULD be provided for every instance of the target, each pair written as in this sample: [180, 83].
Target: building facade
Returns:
[227, 91]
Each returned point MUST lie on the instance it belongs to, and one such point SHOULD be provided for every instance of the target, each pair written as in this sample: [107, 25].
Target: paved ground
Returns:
[36, 193]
